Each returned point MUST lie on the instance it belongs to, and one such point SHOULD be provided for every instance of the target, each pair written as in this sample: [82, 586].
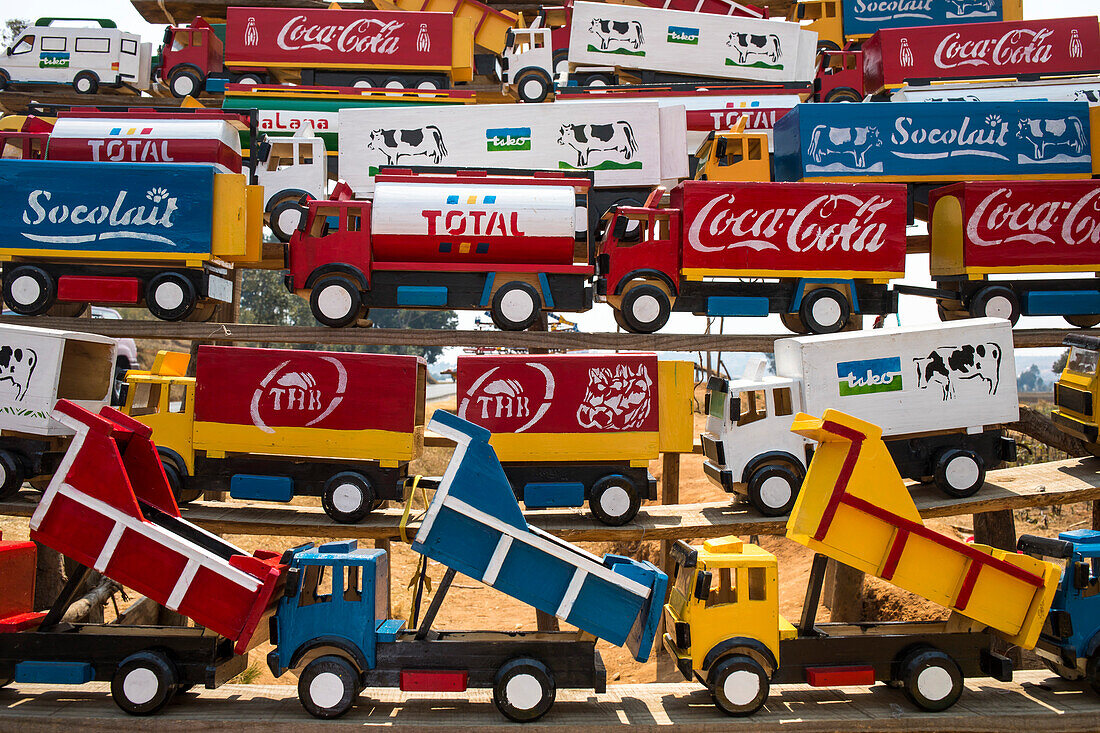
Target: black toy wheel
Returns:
[170, 296]
[86, 82]
[524, 690]
[772, 489]
[11, 474]
[614, 500]
[250, 79]
[328, 686]
[335, 302]
[739, 685]
[845, 94]
[645, 308]
[824, 310]
[144, 683]
[1082, 321]
[932, 679]
[5, 80]
[285, 217]
[348, 496]
[995, 301]
[176, 480]
[595, 81]
[792, 322]
[533, 85]
[516, 306]
[184, 82]
[29, 290]
[959, 472]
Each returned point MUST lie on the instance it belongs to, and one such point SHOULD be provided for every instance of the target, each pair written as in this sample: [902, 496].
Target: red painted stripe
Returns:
[840, 676]
[21, 621]
[895, 553]
[79, 288]
[971, 578]
[413, 680]
[843, 477]
[478, 267]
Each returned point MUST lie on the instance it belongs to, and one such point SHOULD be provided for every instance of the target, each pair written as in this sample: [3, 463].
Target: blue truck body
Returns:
[864, 17]
[933, 141]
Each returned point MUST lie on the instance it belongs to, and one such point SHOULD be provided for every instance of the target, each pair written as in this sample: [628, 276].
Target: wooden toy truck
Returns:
[723, 621]
[826, 252]
[272, 424]
[941, 395]
[571, 428]
[515, 245]
[39, 366]
[1077, 391]
[163, 235]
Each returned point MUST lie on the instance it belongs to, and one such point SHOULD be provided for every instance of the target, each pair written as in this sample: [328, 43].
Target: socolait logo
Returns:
[868, 376]
[44, 210]
[53, 61]
[507, 138]
[679, 34]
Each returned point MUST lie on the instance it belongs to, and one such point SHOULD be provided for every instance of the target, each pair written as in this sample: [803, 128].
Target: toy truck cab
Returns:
[839, 75]
[528, 64]
[288, 169]
[187, 55]
[733, 155]
[1075, 393]
[329, 258]
[823, 17]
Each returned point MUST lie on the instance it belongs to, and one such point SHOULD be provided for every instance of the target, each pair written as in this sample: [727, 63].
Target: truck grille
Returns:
[713, 450]
[1073, 399]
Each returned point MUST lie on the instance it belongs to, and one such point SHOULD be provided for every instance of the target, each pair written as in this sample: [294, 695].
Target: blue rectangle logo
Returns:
[681, 34]
[868, 376]
[507, 138]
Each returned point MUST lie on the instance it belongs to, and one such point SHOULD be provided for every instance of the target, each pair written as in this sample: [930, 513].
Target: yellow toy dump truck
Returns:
[723, 621]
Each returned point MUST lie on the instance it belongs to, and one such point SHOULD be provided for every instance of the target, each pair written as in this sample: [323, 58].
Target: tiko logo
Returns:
[868, 376]
[53, 61]
[508, 138]
[677, 34]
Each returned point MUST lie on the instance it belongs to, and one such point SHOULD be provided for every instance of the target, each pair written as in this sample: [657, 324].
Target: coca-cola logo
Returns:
[1020, 47]
[291, 394]
[508, 403]
[829, 222]
[1003, 218]
[363, 35]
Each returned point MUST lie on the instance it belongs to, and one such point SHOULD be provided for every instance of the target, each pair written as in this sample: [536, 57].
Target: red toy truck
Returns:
[515, 245]
[814, 253]
[360, 48]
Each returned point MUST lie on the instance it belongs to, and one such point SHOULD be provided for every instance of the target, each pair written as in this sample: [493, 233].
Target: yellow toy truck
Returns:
[1075, 393]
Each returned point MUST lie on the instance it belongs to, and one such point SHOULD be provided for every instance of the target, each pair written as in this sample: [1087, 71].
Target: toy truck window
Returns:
[177, 397]
[281, 156]
[305, 154]
[682, 582]
[725, 590]
[53, 43]
[830, 10]
[196, 38]
[730, 155]
[753, 407]
[1082, 361]
[320, 220]
[26, 43]
[754, 150]
[93, 45]
[129, 47]
[354, 222]
[146, 399]
[782, 399]
[353, 591]
[758, 588]
[180, 40]
[87, 371]
[716, 405]
[316, 586]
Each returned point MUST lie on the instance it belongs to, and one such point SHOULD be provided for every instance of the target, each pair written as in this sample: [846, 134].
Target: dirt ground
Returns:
[471, 605]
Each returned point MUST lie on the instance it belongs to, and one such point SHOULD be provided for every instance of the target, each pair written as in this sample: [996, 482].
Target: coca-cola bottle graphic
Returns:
[1075, 49]
[423, 40]
[906, 53]
[251, 34]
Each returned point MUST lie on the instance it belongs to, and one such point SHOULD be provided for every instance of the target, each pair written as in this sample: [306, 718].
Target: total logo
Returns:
[292, 395]
[869, 376]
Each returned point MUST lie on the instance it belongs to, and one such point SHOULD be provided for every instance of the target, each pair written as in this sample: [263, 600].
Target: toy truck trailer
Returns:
[630, 147]
[165, 235]
[840, 22]
[254, 422]
[610, 44]
[491, 25]
[514, 245]
[473, 526]
[1073, 89]
[723, 621]
[573, 428]
[940, 394]
[832, 249]
[43, 366]
[983, 231]
[717, 7]
[86, 58]
[1076, 392]
[1069, 644]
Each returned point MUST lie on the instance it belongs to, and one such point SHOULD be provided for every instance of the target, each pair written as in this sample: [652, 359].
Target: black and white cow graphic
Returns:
[826, 141]
[424, 142]
[16, 367]
[948, 364]
[615, 34]
[749, 46]
[963, 7]
[1055, 134]
[614, 137]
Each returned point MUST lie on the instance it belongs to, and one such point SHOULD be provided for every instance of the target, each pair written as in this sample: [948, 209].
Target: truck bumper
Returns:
[682, 659]
[288, 282]
[1073, 426]
[719, 476]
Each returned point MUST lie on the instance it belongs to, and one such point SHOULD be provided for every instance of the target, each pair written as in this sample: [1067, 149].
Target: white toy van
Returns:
[88, 57]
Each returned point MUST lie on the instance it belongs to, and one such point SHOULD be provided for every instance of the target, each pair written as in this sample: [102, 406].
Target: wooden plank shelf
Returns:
[261, 333]
[1043, 484]
[1035, 701]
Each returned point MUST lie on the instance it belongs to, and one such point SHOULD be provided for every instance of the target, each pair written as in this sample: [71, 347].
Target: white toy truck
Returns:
[87, 58]
[38, 367]
[941, 394]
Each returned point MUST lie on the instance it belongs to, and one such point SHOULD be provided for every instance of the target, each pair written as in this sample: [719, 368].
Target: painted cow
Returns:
[826, 141]
[963, 7]
[614, 137]
[617, 33]
[750, 46]
[424, 142]
[16, 367]
[1066, 134]
[946, 365]
[617, 399]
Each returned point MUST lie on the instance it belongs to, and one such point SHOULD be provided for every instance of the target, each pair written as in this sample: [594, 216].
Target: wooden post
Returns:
[223, 313]
[670, 495]
[998, 529]
[383, 544]
[1096, 514]
[546, 621]
[843, 592]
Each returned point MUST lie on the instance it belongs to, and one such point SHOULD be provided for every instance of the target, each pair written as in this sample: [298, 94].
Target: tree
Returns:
[1060, 363]
[1031, 380]
[11, 29]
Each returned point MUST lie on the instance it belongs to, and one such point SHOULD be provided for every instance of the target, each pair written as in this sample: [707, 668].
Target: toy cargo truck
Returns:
[723, 621]
[1072, 89]
[941, 395]
[839, 22]
[573, 428]
[1077, 391]
[86, 58]
[162, 235]
[317, 47]
[1026, 229]
[42, 366]
[515, 245]
[828, 252]
[272, 424]
[473, 526]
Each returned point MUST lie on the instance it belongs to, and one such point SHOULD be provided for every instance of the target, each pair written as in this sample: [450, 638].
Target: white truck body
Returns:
[51, 54]
[911, 381]
[639, 144]
[289, 167]
[1073, 89]
[39, 366]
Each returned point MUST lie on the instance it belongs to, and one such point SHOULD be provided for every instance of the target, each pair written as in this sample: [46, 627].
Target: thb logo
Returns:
[679, 34]
[868, 376]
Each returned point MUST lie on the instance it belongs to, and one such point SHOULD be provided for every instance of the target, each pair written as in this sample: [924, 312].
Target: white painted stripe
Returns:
[571, 594]
[179, 590]
[108, 550]
[444, 487]
[75, 445]
[497, 560]
[540, 543]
